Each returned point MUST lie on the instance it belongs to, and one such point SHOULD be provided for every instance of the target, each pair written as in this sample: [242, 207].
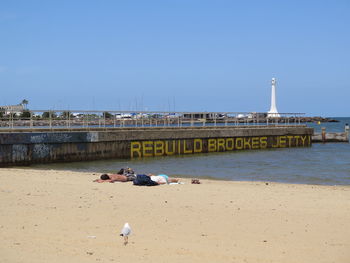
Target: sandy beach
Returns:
[62, 216]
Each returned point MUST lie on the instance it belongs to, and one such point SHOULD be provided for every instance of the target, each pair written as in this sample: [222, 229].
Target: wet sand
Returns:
[60, 216]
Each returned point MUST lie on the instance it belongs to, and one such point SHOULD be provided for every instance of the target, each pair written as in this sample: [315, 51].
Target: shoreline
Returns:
[62, 216]
[183, 177]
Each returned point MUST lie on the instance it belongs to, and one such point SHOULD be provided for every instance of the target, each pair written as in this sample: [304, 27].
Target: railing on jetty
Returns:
[86, 119]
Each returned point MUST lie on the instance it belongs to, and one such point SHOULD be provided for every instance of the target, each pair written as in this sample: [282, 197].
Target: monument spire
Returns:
[273, 109]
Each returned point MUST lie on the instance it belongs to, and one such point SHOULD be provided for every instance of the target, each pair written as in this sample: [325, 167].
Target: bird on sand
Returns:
[126, 231]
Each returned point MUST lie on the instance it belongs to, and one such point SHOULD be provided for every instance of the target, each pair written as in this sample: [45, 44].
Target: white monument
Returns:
[273, 113]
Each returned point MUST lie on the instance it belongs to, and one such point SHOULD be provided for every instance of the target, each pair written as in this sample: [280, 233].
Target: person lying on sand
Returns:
[124, 175]
[111, 178]
[163, 179]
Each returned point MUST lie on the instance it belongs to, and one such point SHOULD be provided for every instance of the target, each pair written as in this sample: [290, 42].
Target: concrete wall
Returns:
[23, 148]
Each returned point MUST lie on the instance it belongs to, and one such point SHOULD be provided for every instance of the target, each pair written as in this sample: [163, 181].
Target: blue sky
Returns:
[187, 55]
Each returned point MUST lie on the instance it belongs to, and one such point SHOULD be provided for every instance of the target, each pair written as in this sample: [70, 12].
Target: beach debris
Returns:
[91, 236]
[195, 181]
[126, 231]
[89, 253]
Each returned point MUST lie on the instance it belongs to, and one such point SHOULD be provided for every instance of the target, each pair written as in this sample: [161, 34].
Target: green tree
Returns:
[46, 114]
[66, 115]
[25, 114]
[12, 115]
[107, 115]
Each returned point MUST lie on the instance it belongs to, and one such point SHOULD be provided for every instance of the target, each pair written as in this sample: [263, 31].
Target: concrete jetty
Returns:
[25, 147]
[331, 136]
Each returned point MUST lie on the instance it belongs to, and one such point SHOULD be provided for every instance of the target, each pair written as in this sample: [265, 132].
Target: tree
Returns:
[25, 114]
[12, 115]
[107, 115]
[66, 114]
[24, 103]
[46, 114]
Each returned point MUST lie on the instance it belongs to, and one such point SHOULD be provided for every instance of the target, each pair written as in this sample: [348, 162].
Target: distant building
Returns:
[17, 109]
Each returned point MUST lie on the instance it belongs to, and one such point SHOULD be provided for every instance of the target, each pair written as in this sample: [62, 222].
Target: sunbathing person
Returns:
[124, 175]
[111, 178]
[163, 179]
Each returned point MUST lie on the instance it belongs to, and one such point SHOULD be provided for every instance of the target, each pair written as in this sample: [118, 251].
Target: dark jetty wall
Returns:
[25, 148]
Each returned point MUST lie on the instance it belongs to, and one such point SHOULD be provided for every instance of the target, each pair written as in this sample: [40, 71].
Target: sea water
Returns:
[324, 164]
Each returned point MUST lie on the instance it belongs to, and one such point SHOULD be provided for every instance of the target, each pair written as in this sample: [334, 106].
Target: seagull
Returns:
[126, 231]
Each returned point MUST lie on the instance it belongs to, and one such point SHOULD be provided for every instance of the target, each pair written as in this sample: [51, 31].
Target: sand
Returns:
[62, 216]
